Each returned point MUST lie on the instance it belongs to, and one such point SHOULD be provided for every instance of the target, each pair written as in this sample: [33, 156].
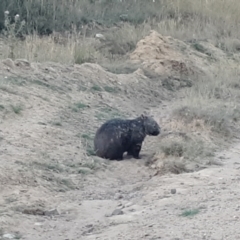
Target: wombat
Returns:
[117, 136]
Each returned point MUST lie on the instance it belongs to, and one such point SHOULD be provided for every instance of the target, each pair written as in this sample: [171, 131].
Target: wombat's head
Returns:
[151, 126]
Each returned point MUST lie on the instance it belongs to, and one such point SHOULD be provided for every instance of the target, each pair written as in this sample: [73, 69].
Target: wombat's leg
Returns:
[117, 157]
[136, 150]
[129, 152]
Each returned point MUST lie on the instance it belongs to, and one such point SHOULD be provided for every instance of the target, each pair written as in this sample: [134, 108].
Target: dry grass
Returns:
[44, 49]
[183, 152]
[204, 120]
[202, 19]
[185, 20]
[215, 100]
[75, 48]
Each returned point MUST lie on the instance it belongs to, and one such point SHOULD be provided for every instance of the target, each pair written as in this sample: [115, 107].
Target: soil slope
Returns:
[51, 185]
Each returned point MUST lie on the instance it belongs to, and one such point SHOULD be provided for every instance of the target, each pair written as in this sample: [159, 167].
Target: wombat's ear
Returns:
[142, 116]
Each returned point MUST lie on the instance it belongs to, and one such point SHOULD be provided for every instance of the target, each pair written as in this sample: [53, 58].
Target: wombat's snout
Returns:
[156, 133]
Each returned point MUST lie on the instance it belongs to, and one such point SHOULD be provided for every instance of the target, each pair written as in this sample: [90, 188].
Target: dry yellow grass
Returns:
[43, 49]
[211, 19]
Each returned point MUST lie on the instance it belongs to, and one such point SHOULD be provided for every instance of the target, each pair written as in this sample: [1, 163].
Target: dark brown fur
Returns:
[117, 136]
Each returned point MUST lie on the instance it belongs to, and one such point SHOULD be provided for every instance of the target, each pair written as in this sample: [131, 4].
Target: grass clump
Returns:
[96, 88]
[59, 124]
[79, 106]
[84, 53]
[189, 148]
[65, 184]
[87, 137]
[87, 142]
[220, 118]
[54, 167]
[17, 109]
[106, 113]
[111, 89]
[213, 99]
[189, 212]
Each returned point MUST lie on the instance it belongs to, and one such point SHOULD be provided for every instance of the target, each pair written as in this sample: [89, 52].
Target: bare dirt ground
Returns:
[53, 188]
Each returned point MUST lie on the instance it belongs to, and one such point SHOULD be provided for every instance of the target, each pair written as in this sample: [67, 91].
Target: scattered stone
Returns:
[38, 224]
[120, 205]
[9, 236]
[22, 63]
[153, 166]
[118, 196]
[89, 226]
[41, 212]
[173, 191]
[9, 62]
[129, 204]
[51, 212]
[33, 211]
[117, 211]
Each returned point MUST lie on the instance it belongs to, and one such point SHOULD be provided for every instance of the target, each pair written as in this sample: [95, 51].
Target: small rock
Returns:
[153, 166]
[9, 236]
[128, 204]
[33, 211]
[89, 226]
[120, 204]
[118, 196]
[9, 62]
[38, 224]
[22, 63]
[117, 212]
[100, 37]
[51, 212]
[173, 191]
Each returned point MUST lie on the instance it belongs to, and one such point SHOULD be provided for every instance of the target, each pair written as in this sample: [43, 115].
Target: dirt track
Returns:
[49, 114]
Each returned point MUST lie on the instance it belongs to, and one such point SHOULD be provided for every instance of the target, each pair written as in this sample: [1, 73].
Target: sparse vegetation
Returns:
[213, 100]
[106, 113]
[78, 106]
[57, 124]
[190, 213]
[96, 88]
[86, 136]
[67, 183]
[16, 108]
[187, 147]
[87, 141]
[71, 43]
[90, 151]
[54, 167]
[84, 171]
[199, 47]
[18, 235]
[111, 89]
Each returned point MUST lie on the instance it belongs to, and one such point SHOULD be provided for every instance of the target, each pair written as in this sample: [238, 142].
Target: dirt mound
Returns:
[167, 56]
[159, 54]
